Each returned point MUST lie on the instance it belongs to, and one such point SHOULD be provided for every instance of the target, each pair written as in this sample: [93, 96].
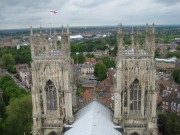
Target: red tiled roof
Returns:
[159, 100]
[90, 60]
[87, 95]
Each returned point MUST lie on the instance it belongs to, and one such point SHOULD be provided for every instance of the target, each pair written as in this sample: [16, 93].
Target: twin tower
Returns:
[54, 90]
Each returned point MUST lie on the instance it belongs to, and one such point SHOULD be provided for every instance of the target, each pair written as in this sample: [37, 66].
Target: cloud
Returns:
[23, 13]
[88, 3]
[171, 2]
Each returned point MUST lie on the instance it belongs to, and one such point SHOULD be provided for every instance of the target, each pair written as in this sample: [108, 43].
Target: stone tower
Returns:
[52, 83]
[134, 89]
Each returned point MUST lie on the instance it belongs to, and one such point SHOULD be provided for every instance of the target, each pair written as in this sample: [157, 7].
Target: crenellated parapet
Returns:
[136, 49]
[45, 46]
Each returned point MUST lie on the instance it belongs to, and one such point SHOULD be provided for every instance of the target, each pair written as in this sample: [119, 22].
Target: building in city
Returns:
[134, 89]
[86, 68]
[53, 90]
[24, 74]
[171, 103]
[165, 65]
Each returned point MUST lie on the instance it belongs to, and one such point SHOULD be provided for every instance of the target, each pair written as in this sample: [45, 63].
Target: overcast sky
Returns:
[24, 13]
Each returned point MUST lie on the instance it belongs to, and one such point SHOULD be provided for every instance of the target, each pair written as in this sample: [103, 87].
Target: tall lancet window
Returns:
[135, 96]
[51, 95]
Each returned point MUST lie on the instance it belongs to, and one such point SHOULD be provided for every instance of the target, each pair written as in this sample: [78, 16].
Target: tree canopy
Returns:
[173, 123]
[78, 58]
[88, 55]
[108, 62]
[8, 62]
[10, 89]
[79, 90]
[176, 75]
[19, 116]
[9, 57]
[168, 124]
[173, 54]
[100, 71]
[15, 108]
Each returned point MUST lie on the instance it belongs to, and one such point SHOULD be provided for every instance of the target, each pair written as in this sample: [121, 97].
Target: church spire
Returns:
[120, 39]
[55, 39]
[137, 42]
[132, 38]
[146, 38]
[31, 41]
[65, 40]
[67, 28]
[40, 29]
[31, 31]
[47, 46]
[50, 30]
[153, 28]
[153, 39]
[62, 29]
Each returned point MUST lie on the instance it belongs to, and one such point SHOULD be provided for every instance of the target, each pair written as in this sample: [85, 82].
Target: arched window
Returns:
[51, 96]
[52, 133]
[135, 96]
[134, 133]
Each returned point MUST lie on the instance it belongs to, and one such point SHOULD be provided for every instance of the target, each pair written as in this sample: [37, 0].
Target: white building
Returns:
[86, 68]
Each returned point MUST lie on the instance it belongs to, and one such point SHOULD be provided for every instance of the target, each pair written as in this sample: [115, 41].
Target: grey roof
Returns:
[94, 119]
[170, 98]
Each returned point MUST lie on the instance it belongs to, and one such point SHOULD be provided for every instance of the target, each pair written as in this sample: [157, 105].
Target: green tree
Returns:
[90, 55]
[178, 48]
[1, 64]
[176, 75]
[157, 54]
[19, 116]
[59, 44]
[162, 124]
[127, 40]
[78, 58]
[23, 55]
[11, 92]
[10, 89]
[100, 71]
[79, 90]
[2, 126]
[97, 90]
[2, 107]
[168, 48]
[81, 58]
[2, 114]
[173, 54]
[9, 62]
[166, 40]
[173, 123]
[108, 62]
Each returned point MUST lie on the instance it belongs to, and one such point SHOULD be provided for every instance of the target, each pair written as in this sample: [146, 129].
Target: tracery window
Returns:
[51, 96]
[52, 133]
[135, 96]
[134, 133]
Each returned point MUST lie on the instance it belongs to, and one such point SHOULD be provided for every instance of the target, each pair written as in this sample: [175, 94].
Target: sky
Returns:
[26, 13]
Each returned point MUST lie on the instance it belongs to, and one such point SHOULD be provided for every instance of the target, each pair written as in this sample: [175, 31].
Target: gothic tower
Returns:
[52, 83]
[134, 89]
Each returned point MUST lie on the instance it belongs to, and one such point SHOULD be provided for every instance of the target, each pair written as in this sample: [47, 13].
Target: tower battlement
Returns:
[45, 46]
[147, 49]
